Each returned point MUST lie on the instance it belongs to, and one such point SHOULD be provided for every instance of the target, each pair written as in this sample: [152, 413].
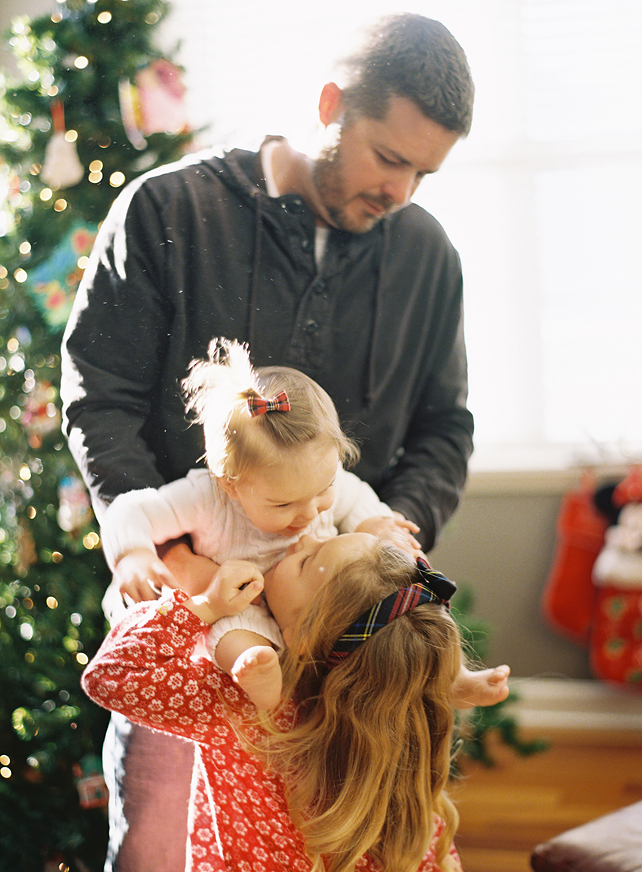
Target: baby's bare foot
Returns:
[258, 671]
[486, 687]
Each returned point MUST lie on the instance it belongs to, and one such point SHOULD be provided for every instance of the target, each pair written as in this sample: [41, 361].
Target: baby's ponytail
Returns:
[249, 413]
[217, 389]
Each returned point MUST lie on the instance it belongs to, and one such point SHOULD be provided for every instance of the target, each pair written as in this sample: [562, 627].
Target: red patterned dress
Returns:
[147, 669]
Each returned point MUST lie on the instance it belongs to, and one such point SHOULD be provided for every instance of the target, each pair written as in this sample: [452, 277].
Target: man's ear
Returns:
[330, 104]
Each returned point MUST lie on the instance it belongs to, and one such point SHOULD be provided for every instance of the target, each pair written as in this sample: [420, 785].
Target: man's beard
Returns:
[327, 176]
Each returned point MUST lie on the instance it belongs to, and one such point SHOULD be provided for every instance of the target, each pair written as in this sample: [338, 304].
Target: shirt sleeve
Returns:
[354, 502]
[111, 349]
[145, 669]
[148, 517]
[426, 481]
[254, 618]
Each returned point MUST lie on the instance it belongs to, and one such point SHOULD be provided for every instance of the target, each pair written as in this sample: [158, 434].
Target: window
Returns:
[543, 200]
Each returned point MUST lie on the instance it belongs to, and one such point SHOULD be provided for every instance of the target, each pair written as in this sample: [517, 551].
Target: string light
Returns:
[91, 541]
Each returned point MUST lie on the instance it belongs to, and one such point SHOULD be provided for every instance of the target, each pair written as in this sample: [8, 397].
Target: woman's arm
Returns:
[145, 668]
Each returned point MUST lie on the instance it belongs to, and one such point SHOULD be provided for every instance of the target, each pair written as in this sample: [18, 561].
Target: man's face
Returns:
[372, 167]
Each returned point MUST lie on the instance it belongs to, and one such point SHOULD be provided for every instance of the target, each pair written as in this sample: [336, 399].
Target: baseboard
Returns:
[572, 704]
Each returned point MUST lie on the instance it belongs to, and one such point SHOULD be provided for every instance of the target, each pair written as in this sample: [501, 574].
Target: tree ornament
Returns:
[40, 415]
[62, 168]
[154, 102]
[90, 783]
[53, 283]
[26, 551]
[74, 508]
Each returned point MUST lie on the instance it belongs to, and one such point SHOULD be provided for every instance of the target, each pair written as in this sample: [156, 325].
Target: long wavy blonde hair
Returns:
[368, 759]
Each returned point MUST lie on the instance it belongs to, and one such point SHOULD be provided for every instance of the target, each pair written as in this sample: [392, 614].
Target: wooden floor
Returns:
[508, 809]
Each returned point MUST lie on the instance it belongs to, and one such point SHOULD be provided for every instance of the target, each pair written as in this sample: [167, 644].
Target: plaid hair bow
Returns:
[431, 587]
[260, 406]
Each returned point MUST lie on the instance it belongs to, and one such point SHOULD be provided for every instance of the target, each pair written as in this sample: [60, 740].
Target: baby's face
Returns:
[290, 586]
[284, 499]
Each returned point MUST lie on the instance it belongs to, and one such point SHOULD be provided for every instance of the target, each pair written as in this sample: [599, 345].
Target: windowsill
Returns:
[550, 470]
[563, 703]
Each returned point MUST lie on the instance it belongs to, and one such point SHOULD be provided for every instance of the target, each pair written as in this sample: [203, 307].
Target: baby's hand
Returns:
[396, 530]
[140, 575]
[234, 586]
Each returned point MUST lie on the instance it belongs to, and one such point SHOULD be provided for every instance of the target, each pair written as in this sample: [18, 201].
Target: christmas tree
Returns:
[98, 106]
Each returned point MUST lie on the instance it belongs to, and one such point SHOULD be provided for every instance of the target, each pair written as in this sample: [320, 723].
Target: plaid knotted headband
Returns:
[259, 405]
[431, 587]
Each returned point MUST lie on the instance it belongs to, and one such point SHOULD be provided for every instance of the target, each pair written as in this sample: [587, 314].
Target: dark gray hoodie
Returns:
[198, 249]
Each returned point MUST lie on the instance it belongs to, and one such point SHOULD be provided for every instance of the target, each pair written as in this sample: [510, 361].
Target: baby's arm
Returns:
[140, 520]
[486, 687]
[245, 655]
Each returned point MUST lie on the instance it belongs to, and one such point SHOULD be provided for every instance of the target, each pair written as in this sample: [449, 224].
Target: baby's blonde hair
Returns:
[369, 757]
[218, 389]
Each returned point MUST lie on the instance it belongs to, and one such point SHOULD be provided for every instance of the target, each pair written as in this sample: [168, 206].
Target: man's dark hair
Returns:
[410, 56]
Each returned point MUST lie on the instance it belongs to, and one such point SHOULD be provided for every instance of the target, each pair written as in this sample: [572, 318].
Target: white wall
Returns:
[501, 543]
[10, 9]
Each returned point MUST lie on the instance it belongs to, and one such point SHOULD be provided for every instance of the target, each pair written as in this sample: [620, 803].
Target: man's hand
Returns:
[396, 530]
[235, 585]
[191, 572]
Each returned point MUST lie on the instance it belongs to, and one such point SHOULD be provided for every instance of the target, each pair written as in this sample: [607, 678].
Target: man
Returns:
[317, 262]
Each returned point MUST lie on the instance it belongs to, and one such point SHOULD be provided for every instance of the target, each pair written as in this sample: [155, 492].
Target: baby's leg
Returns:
[258, 671]
[486, 687]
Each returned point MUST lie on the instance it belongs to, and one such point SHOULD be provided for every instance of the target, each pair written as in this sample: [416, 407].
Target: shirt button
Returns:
[310, 326]
[293, 207]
